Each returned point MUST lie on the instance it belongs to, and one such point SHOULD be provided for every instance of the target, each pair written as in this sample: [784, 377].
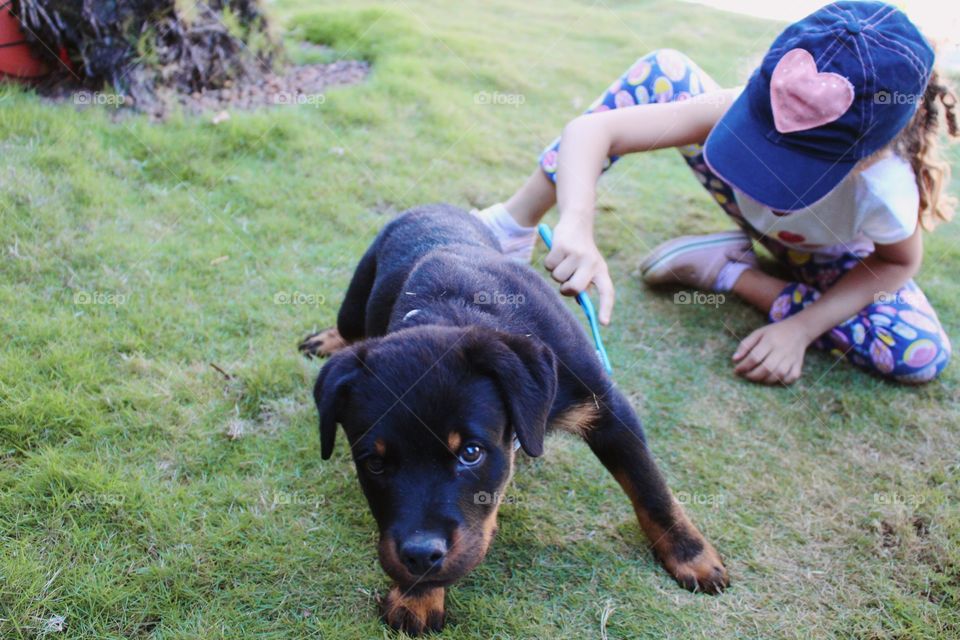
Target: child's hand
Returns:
[575, 262]
[772, 354]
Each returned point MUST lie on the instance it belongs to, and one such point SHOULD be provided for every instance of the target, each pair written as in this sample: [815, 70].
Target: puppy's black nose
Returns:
[421, 552]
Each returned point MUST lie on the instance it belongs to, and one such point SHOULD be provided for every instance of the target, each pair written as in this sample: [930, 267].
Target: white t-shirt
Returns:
[877, 205]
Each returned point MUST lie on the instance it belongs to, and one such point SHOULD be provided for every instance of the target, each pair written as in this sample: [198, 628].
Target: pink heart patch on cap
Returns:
[803, 98]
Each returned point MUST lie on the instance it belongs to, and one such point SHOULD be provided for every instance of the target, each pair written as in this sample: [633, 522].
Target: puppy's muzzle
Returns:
[423, 552]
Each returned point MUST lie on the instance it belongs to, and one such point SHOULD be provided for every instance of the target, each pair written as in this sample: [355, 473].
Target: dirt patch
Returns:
[305, 84]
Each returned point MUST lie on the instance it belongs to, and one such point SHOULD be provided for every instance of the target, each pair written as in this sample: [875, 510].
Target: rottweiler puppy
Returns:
[447, 357]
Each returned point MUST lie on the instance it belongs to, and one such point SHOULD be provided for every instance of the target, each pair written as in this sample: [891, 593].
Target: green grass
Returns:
[127, 509]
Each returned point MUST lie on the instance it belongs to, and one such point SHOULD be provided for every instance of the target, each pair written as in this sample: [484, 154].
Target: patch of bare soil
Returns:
[296, 84]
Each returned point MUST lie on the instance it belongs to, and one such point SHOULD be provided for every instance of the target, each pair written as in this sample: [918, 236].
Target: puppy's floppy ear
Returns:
[331, 392]
[525, 372]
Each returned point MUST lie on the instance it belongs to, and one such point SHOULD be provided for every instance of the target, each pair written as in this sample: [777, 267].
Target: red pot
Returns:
[16, 58]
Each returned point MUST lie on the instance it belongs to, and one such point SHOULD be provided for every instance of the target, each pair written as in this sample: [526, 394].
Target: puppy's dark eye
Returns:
[471, 454]
[374, 465]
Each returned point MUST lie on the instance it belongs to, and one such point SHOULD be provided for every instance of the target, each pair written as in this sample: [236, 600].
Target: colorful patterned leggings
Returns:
[898, 336]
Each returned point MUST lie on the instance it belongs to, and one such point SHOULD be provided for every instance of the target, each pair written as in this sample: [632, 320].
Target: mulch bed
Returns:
[294, 85]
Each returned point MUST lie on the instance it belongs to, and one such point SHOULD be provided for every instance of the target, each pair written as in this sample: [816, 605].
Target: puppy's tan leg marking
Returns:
[702, 572]
[415, 612]
[322, 344]
[578, 419]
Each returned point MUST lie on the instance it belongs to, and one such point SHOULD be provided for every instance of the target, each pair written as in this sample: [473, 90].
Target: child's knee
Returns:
[914, 361]
[924, 360]
[669, 60]
[664, 75]
[902, 345]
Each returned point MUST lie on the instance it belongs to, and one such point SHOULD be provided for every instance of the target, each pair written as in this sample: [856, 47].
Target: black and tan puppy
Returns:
[445, 353]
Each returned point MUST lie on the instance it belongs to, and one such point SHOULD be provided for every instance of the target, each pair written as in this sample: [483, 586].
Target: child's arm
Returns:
[588, 140]
[774, 353]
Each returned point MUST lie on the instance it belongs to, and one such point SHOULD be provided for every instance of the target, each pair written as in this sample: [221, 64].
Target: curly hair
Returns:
[919, 143]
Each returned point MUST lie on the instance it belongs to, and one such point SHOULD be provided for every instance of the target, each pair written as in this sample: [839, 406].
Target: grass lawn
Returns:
[145, 494]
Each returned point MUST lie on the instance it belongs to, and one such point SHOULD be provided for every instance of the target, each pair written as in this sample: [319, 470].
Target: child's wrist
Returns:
[579, 218]
[807, 323]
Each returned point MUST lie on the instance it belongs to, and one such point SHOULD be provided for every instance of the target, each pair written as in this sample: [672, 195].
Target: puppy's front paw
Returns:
[703, 572]
[414, 613]
[322, 344]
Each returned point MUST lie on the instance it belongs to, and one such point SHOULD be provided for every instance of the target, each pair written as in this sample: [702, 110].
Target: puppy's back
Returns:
[419, 230]
[388, 261]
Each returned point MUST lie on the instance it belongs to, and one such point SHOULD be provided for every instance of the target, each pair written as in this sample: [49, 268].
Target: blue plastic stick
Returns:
[584, 300]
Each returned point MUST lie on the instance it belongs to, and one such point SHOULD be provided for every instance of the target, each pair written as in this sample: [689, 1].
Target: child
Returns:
[827, 157]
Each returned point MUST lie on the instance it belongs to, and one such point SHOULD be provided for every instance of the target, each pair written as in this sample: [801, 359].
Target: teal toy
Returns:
[585, 303]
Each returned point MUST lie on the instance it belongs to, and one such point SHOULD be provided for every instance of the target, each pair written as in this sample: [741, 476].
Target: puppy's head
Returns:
[430, 414]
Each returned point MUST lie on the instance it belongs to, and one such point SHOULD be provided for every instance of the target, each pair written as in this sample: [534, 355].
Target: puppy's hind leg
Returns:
[322, 344]
[616, 437]
[351, 318]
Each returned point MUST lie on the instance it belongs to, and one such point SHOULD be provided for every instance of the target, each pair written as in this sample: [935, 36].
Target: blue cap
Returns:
[834, 88]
